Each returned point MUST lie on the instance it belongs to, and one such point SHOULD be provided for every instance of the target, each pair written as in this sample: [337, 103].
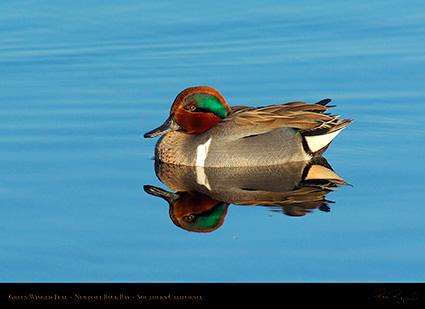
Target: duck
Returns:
[202, 130]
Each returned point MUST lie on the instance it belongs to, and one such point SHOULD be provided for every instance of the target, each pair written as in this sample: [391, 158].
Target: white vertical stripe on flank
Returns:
[202, 152]
[201, 156]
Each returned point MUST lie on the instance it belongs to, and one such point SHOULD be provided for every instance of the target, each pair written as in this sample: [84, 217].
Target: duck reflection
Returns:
[203, 194]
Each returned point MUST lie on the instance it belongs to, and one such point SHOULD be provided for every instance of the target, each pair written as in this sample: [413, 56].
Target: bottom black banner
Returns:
[211, 293]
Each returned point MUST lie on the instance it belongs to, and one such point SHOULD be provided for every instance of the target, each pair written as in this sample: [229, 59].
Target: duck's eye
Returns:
[189, 218]
[191, 108]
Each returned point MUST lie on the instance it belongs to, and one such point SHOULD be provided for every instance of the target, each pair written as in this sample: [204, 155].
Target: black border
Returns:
[196, 294]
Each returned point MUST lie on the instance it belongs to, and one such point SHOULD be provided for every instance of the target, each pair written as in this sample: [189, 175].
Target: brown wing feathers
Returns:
[298, 115]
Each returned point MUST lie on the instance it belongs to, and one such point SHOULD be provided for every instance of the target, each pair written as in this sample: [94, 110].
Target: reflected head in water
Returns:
[192, 211]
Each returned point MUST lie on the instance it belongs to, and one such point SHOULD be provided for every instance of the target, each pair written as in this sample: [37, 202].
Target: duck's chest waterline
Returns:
[208, 150]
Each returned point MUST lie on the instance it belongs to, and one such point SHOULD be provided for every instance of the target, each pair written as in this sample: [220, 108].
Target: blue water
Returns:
[82, 81]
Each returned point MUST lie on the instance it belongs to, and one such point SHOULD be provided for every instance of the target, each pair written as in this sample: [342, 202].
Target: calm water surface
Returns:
[81, 82]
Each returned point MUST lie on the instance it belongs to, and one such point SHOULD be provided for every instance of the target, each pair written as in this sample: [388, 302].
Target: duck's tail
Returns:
[317, 140]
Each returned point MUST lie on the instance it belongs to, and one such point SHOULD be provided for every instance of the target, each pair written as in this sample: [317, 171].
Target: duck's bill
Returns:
[168, 126]
[170, 197]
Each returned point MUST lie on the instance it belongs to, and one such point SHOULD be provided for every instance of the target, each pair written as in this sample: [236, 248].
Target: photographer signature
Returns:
[383, 295]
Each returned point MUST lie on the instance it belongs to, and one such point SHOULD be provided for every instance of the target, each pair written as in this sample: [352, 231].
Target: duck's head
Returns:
[194, 111]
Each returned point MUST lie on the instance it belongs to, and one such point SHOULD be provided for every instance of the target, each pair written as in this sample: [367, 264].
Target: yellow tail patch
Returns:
[321, 172]
[317, 142]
